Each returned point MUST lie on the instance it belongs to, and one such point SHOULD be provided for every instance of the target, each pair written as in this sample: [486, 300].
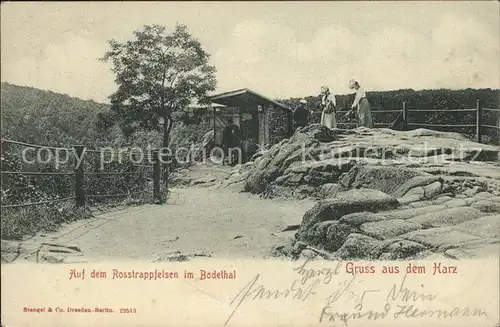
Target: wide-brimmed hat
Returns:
[303, 101]
[352, 83]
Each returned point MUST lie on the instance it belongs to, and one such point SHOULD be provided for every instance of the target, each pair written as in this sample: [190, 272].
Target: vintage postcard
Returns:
[250, 164]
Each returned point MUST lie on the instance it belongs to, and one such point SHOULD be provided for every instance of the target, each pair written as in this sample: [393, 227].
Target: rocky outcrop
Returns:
[448, 217]
[345, 203]
[398, 249]
[487, 205]
[369, 224]
[384, 178]
[411, 166]
[328, 235]
[274, 162]
[485, 227]
[382, 194]
[387, 229]
[358, 246]
[437, 238]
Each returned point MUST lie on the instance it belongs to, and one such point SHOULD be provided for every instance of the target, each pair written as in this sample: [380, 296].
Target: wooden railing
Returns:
[78, 171]
[406, 119]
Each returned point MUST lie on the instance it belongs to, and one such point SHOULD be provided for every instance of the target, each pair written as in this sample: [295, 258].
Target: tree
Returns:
[158, 76]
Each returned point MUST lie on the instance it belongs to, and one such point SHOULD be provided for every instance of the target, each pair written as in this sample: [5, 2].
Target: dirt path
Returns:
[217, 222]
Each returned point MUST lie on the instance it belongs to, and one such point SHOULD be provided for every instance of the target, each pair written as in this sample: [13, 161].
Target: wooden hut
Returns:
[262, 121]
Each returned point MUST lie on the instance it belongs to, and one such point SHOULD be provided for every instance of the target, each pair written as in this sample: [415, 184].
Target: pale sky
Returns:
[279, 49]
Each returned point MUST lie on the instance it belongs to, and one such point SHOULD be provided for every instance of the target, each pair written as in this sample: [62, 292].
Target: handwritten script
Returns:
[344, 299]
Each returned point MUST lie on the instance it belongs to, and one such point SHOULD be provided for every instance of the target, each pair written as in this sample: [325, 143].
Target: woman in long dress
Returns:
[329, 105]
[361, 105]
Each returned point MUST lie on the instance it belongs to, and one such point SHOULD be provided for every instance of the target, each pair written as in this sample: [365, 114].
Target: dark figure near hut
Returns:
[231, 141]
[301, 114]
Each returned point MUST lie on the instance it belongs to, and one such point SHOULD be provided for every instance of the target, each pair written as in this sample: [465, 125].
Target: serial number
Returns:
[128, 310]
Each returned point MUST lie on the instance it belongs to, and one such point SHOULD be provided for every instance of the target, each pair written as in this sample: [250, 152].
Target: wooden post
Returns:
[156, 175]
[405, 116]
[479, 122]
[214, 113]
[79, 177]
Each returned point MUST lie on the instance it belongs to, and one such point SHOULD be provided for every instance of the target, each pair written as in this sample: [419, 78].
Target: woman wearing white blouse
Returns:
[362, 105]
[329, 105]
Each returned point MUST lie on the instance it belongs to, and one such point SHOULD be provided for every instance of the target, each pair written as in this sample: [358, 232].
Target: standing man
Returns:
[231, 140]
[361, 105]
[301, 114]
[329, 106]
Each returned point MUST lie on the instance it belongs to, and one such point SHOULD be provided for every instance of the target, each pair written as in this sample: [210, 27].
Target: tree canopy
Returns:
[158, 76]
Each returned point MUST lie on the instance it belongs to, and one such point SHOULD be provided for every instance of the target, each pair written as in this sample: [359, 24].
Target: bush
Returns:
[17, 223]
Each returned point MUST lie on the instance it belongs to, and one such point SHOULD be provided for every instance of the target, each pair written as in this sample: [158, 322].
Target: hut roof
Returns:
[244, 97]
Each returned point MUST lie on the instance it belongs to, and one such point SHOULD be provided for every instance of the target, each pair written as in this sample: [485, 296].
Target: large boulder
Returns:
[386, 229]
[417, 181]
[287, 249]
[485, 227]
[314, 131]
[433, 190]
[487, 206]
[429, 152]
[291, 179]
[328, 235]
[486, 154]
[455, 203]
[329, 190]
[345, 203]
[421, 132]
[358, 218]
[318, 172]
[397, 249]
[318, 178]
[448, 217]
[305, 148]
[278, 191]
[473, 251]
[272, 165]
[413, 195]
[357, 246]
[336, 235]
[304, 191]
[439, 237]
[485, 196]
[413, 212]
[383, 178]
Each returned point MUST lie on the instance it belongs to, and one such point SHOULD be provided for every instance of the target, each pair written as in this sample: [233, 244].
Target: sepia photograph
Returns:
[330, 134]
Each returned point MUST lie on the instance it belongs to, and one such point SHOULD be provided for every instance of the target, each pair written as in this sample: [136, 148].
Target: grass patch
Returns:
[18, 223]
[22, 222]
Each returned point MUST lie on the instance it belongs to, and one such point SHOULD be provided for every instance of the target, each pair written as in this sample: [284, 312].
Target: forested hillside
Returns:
[44, 117]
